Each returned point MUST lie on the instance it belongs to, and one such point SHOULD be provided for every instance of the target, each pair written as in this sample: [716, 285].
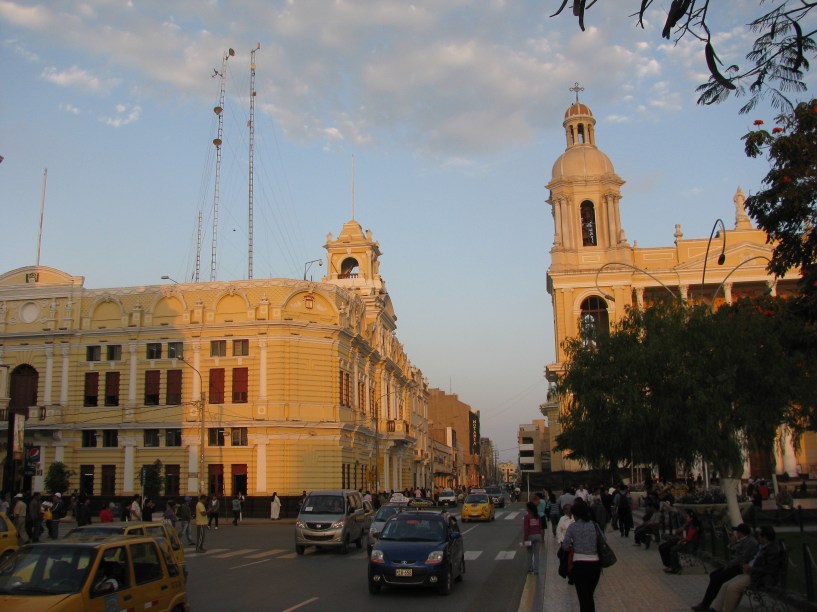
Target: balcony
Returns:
[398, 430]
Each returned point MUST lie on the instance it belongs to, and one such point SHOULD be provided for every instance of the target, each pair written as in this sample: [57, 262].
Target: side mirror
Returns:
[102, 588]
[455, 535]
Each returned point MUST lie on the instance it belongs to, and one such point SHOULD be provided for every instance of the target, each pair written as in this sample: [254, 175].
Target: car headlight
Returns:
[300, 524]
[337, 524]
[377, 557]
[435, 557]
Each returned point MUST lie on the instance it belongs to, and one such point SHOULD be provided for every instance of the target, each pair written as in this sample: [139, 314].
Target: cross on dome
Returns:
[576, 88]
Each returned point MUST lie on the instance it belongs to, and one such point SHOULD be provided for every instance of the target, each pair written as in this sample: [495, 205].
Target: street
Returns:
[254, 566]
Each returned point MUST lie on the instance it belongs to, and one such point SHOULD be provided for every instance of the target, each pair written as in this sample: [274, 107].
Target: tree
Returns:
[778, 59]
[151, 478]
[787, 208]
[58, 478]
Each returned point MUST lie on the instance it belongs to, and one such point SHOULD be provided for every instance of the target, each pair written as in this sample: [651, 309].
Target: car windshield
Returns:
[447, 493]
[494, 490]
[323, 504]
[46, 570]
[385, 512]
[414, 529]
[476, 499]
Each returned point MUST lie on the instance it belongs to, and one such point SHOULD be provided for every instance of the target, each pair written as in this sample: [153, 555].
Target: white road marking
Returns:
[235, 553]
[511, 516]
[471, 555]
[248, 564]
[302, 604]
[505, 555]
[266, 553]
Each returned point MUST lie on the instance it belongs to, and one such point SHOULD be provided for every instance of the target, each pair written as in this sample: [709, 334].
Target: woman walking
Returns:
[532, 536]
[552, 509]
[275, 507]
[582, 536]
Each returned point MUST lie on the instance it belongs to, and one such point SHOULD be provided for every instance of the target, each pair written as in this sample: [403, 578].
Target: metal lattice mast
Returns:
[198, 251]
[218, 110]
[252, 157]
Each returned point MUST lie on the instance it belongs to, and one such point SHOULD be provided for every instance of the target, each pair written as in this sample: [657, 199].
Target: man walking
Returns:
[201, 523]
[35, 516]
[184, 517]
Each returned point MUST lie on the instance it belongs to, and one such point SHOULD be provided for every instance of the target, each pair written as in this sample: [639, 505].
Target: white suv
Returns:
[447, 497]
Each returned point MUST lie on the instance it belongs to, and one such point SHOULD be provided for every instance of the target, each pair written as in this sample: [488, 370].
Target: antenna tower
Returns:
[218, 110]
[251, 124]
[198, 251]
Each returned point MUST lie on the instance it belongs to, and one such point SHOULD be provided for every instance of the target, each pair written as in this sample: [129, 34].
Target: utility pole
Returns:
[200, 405]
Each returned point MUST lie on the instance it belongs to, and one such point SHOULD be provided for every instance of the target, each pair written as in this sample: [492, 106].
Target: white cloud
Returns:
[69, 108]
[76, 77]
[123, 116]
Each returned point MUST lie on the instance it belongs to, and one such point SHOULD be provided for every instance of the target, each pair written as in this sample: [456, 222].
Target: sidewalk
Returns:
[635, 583]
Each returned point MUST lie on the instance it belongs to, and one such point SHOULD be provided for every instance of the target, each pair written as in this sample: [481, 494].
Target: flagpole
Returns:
[42, 211]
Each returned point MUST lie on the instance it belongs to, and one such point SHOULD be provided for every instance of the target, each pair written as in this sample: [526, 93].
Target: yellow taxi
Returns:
[8, 536]
[94, 575]
[477, 507]
[155, 530]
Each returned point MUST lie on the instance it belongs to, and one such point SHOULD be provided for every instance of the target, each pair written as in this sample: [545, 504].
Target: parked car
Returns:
[447, 497]
[100, 574]
[417, 548]
[331, 519]
[497, 496]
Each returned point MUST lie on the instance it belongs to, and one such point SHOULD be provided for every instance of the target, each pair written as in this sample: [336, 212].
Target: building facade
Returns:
[534, 446]
[253, 386]
[446, 410]
[596, 274]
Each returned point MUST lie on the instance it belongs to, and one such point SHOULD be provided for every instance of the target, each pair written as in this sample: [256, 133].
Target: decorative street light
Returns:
[607, 296]
[308, 265]
[721, 257]
[731, 272]
[166, 277]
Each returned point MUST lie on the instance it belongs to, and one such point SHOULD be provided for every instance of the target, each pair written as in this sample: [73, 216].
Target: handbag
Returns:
[606, 555]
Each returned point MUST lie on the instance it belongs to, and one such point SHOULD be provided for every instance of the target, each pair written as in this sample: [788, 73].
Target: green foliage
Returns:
[58, 478]
[777, 62]
[787, 208]
[675, 382]
[150, 477]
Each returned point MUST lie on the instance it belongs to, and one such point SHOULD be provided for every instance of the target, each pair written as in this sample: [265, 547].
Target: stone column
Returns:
[193, 468]
[129, 469]
[261, 466]
[131, 383]
[557, 222]
[64, 380]
[727, 293]
[49, 376]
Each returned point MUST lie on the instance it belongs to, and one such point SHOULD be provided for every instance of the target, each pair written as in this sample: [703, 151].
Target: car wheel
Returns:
[344, 548]
[447, 583]
[300, 549]
[374, 589]
[462, 569]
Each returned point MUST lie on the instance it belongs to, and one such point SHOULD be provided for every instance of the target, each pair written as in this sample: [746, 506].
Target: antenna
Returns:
[198, 251]
[251, 124]
[218, 110]
[42, 211]
[353, 186]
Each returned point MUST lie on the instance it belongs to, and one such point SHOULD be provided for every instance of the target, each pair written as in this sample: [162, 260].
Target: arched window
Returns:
[588, 214]
[23, 391]
[594, 320]
[349, 268]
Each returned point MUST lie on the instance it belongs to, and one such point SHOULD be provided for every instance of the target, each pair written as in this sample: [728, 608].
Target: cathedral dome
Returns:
[577, 109]
[582, 160]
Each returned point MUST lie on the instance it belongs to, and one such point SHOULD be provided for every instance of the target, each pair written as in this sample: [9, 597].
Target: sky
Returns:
[449, 111]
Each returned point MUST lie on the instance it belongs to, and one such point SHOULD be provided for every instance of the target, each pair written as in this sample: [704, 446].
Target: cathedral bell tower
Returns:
[352, 260]
[584, 195]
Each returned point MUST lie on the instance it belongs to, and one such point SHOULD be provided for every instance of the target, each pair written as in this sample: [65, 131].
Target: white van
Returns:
[331, 519]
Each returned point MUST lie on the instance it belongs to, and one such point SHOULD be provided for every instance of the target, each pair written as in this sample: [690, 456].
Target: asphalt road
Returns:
[254, 567]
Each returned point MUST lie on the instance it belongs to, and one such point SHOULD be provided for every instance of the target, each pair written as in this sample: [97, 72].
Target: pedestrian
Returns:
[552, 510]
[35, 517]
[135, 509]
[106, 514]
[147, 510]
[275, 507]
[201, 523]
[236, 507]
[213, 511]
[169, 516]
[241, 510]
[184, 515]
[541, 509]
[582, 538]
[19, 512]
[532, 536]
[57, 512]
[302, 500]
[4, 505]
[565, 521]
[84, 512]
[625, 511]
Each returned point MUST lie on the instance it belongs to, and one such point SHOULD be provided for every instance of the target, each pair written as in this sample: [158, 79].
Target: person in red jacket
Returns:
[686, 542]
[106, 514]
[532, 536]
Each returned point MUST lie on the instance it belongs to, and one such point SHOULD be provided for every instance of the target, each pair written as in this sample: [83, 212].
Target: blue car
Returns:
[418, 548]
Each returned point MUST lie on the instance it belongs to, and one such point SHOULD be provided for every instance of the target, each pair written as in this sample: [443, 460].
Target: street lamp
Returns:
[731, 272]
[607, 296]
[308, 265]
[200, 403]
[721, 257]
[165, 277]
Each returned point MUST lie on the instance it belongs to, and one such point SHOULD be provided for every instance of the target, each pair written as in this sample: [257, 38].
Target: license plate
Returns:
[402, 572]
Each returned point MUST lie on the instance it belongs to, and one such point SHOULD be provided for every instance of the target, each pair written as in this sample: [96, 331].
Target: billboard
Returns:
[473, 435]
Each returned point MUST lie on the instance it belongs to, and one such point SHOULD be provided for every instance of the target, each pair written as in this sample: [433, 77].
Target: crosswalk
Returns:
[243, 557]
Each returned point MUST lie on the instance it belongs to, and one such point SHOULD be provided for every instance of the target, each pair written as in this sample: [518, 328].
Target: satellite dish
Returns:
[231, 52]
[217, 142]
[217, 110]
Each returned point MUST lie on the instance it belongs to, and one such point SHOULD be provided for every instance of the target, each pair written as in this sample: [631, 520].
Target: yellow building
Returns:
[448, 411]
[255, 386]
[595, 273]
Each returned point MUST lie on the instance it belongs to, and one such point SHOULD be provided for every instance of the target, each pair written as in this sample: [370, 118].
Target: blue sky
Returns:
[452, 110]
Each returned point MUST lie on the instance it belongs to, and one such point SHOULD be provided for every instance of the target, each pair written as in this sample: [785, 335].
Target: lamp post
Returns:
[166, 277]
[721, 257]
[308, 265]
[731, 272]
[200, 403]
[607, 296]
